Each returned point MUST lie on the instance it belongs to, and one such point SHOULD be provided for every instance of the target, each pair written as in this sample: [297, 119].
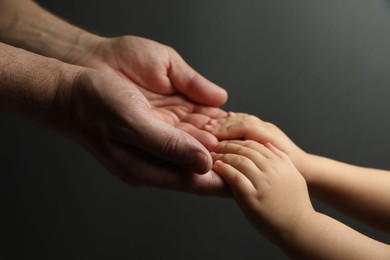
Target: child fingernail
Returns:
[207, 127]
[213, 121]
[218, 163]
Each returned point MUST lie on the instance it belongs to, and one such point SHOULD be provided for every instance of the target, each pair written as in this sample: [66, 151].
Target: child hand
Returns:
[249, 127]
[267, 187]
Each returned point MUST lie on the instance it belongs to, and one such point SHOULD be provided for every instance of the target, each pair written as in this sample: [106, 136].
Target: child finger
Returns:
[238, 183]
[243, 165]
[231, 113]
[232, 127]
[229, 130]
[234, 147]
[230, 147]
[276, 151]
[245, 117]
[260, 148]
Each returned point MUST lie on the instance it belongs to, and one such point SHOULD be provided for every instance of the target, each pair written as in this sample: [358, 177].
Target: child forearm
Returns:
[361, 193]
[321, 237]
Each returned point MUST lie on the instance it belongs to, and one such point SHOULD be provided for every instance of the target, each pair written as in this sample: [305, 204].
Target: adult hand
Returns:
[158, 95]
[171, 97]
[136, 140]
[182, 96]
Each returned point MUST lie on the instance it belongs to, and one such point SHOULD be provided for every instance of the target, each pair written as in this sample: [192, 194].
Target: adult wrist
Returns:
[83, 48]
[61, 116]
[35, 87]
[26, 25]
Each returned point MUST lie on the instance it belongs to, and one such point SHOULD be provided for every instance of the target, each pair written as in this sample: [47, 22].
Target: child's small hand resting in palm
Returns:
[274, 196]
[248, 127]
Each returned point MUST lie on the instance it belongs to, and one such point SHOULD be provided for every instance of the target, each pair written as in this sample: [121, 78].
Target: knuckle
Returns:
[249, 117]
[276, 166]
[253, 144]
[171, 50]
[239, 160]
[238, 179]
[246, 124]
[242, 150]
[238, 124]
[252, 117]
[225, 157]
[269, 125]
[228, 125]
[250, 143]
[244, 115]
[221, 146]
[170, 145]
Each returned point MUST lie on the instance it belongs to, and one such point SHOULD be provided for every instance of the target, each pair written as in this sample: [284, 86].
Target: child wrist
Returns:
[307, 167]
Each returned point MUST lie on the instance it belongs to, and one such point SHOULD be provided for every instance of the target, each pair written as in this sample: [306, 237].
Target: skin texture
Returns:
[274, 197]
[359, 192]
[133, 103]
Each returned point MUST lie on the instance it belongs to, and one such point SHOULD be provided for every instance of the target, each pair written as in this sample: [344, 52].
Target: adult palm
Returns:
[158, 102]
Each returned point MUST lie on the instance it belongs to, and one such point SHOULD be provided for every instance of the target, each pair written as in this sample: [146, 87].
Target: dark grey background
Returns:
[317, 69]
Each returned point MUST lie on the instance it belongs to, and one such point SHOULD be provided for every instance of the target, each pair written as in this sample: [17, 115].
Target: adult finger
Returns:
[194, 86]
[150, 133]
[205, 138]
[139, 168]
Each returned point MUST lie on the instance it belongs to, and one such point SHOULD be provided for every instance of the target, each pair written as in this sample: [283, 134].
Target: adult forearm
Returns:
[25, 24]
[321, 237]
[33, 86]
[359, 192]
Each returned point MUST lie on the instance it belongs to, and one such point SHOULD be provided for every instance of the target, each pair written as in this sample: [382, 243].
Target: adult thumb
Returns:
[193, 85]
[174, 145]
